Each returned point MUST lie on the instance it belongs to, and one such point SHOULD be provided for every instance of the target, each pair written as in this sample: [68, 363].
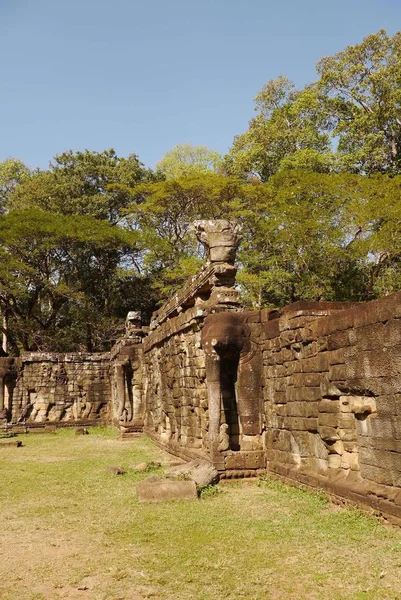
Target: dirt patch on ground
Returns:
[71, 529]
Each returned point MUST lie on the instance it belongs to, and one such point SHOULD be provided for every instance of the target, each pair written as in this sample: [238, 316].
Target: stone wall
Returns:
[332, 410]
[60, 388]
[311, 392]
[175, 391]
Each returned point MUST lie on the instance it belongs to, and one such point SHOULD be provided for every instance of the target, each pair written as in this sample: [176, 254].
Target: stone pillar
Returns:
[2, 388]
[120, 389]
[214, 397]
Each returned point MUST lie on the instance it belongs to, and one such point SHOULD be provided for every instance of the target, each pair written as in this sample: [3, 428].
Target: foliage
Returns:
[319, 236]
[50, 272]
[12, 172]
[210, 491]
[315, 182]
[77, 273]
[162, 213]
[81, 183]
[284, 134]
[185, 159]
[360, 91]
[355, 101]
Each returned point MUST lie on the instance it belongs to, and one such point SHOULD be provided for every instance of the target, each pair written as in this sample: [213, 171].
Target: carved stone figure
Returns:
[231, 355]
[220, 237]
[133, 320]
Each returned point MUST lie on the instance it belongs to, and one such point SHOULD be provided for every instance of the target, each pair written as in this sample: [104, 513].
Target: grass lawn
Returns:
[70, 529]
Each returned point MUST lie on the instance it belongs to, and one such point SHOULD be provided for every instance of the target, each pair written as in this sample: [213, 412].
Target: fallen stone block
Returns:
[7, 442]
[156, 489]
[116, 470]
[81, 431]
[146, 466]
[201, 472]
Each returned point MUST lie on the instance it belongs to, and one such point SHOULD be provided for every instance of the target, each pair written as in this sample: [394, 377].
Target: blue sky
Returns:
[143, 76]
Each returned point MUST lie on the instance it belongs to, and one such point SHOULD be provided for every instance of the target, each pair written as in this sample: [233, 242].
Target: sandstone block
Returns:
[306, 379]
[301, 423]
[338, 372]
[317, 364]
[8, 443]
[201, 472]
[303, 394]
[339, 339]
[329, 405]
[116, 470]
[245, 460]
[162, 490]
[328, 434]
[302, 409]
[329, 419]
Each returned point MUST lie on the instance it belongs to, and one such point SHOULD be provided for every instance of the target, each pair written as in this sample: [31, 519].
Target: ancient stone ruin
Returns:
[311, 392]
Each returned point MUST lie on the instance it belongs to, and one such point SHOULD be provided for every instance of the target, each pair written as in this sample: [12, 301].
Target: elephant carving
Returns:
[233, 362]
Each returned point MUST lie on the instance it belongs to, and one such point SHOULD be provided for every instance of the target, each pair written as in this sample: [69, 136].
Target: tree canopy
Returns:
[315, 182]
[346, 120]
[185, 160]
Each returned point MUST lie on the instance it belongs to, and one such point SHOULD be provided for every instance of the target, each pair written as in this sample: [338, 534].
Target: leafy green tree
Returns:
[284, 134]
[53, 267]
[82, 183]
[12, 172]
[347, 120]
[185, 160]
[163, 214]
[298, 239]
[374, 216]
[360, 99]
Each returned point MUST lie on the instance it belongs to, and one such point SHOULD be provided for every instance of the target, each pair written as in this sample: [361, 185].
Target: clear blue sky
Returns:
[143, 76]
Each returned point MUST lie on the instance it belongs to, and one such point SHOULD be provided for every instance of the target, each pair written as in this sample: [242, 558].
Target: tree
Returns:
[82, 183]
[360, 89]
[12, 172]
[53, 268]
[374, 217]
[300, 241]
[284, 134]
[163, 212]
[185, 160]
[355, 101]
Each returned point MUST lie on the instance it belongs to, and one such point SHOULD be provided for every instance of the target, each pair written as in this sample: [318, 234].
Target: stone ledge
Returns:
[220, 274]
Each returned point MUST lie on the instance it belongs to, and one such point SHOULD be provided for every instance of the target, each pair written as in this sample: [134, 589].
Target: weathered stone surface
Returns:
[116, 470]
[201, 472]
[8, 443]
[245, 460]
[60, 388]
[81, 431]
[156, 489]
[143, 467]
[312, 391]
[220, 237]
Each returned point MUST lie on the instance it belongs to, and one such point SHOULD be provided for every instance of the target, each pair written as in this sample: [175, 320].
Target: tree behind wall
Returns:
[347, 120]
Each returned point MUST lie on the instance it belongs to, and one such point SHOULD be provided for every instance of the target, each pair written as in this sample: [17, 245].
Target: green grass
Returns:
[67, 523]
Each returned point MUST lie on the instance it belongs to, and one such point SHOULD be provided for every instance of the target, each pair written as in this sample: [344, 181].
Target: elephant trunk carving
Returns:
[226, 340]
